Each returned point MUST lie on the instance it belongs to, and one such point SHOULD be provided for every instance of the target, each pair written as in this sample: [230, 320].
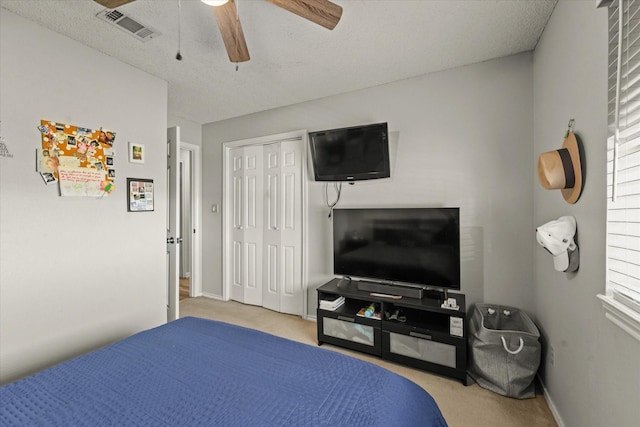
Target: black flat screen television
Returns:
[351, 154]
[419, 246]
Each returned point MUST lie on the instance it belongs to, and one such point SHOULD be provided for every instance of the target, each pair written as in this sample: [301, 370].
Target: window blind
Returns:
[623, 154]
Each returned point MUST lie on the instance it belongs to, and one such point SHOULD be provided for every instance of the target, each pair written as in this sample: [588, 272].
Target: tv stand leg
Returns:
[468, 381]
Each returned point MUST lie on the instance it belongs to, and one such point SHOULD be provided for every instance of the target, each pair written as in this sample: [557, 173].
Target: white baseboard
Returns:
[552, 406]
[219, 298]
[212, 296]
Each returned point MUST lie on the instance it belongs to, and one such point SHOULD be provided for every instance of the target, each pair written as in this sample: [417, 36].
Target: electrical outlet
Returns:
[552, 356]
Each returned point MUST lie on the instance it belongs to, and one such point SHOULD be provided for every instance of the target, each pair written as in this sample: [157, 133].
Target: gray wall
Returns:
[461, 137]
[190, 131]
[75, 273]
[596, 379]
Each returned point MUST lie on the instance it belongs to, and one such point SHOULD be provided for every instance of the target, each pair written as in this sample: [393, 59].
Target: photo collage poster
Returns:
[81, 160]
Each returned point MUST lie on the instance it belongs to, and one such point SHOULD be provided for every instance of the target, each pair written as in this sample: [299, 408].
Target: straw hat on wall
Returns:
[562, 169]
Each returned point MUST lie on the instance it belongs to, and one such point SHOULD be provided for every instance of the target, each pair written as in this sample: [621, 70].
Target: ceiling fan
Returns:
[322, 12]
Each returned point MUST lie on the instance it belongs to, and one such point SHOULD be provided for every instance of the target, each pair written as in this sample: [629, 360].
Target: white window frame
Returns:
[621, 301]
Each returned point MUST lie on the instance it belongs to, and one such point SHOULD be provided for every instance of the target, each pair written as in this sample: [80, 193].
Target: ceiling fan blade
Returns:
[231, 30]
[322, 12]
[112, 4]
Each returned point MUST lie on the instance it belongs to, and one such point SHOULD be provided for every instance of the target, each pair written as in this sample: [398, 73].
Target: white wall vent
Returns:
[131, 26]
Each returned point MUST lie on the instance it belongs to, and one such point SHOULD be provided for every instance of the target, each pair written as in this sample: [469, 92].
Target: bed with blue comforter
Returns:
[202, 372]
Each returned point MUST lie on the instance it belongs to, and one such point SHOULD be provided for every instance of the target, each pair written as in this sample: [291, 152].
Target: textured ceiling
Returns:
[294, 60]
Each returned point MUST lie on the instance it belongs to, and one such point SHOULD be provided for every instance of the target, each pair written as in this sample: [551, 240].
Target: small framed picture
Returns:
[136, 153]
[139, 195]
[48, 177]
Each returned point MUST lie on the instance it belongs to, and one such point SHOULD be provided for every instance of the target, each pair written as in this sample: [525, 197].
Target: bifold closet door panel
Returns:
[283, 228]
[247, 225]
[291, 227]
[272, 232]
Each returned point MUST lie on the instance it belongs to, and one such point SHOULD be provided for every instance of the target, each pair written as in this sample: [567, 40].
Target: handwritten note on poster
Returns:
[80, 182]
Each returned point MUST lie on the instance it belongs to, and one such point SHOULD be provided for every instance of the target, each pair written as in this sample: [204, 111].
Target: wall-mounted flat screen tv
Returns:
[398, 245]
[351, 154]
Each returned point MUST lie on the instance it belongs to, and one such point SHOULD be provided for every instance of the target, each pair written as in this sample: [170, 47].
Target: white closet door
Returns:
[291, 229]
[246, 238]
[264, 230]
[283, 227]
[271, 268]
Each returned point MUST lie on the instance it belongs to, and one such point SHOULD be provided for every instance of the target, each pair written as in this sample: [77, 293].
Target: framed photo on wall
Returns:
[136, 152]
[139, 195]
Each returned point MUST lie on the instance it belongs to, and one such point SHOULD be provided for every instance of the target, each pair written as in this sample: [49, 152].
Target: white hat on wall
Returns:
[557, 237]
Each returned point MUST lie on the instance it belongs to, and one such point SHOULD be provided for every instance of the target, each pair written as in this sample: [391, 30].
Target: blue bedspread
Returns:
[202, 372]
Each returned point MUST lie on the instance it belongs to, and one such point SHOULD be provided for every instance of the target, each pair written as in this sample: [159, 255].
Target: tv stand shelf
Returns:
[426, 336]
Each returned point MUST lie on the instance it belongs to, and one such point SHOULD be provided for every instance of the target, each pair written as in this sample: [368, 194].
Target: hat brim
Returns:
[572, 144]
[561, 261]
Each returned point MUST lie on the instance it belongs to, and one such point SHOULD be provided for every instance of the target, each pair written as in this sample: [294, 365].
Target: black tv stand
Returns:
[422, 334]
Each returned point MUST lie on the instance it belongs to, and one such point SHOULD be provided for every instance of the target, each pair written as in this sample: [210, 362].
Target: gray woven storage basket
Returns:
[504, 350]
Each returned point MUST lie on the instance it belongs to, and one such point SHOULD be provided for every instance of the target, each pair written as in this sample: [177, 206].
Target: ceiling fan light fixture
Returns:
[214, 2]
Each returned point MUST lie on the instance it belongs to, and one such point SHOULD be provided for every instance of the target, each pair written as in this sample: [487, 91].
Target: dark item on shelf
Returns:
[409, 291]
[436, 295]
[375, 294]
[397, 316]
[331, 298]
[504, 350]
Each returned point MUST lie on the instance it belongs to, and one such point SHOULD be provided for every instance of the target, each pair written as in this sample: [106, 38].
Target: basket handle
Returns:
[504, 344]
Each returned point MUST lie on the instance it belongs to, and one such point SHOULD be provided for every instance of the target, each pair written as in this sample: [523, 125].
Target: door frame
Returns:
[196, 218]
[173, 303]
[172, 224]
[227, 203]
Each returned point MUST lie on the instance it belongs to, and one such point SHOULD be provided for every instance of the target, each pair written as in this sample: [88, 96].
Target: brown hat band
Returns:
[567, 165]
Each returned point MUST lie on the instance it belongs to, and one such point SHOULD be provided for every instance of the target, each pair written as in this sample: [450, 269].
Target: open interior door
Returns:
[173, 223]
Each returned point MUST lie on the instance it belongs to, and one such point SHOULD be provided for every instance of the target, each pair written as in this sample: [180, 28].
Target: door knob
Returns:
[179, 240]
[170, 240]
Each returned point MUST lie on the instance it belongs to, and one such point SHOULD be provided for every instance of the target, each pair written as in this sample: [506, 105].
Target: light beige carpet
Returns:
[462, 406]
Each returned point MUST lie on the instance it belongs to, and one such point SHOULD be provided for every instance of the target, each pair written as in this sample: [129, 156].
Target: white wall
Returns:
[75, 273]
[596, 379]
[461, 137]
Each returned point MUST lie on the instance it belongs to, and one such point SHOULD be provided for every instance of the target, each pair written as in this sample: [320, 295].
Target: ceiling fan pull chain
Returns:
[237, 26]
[179, 55]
